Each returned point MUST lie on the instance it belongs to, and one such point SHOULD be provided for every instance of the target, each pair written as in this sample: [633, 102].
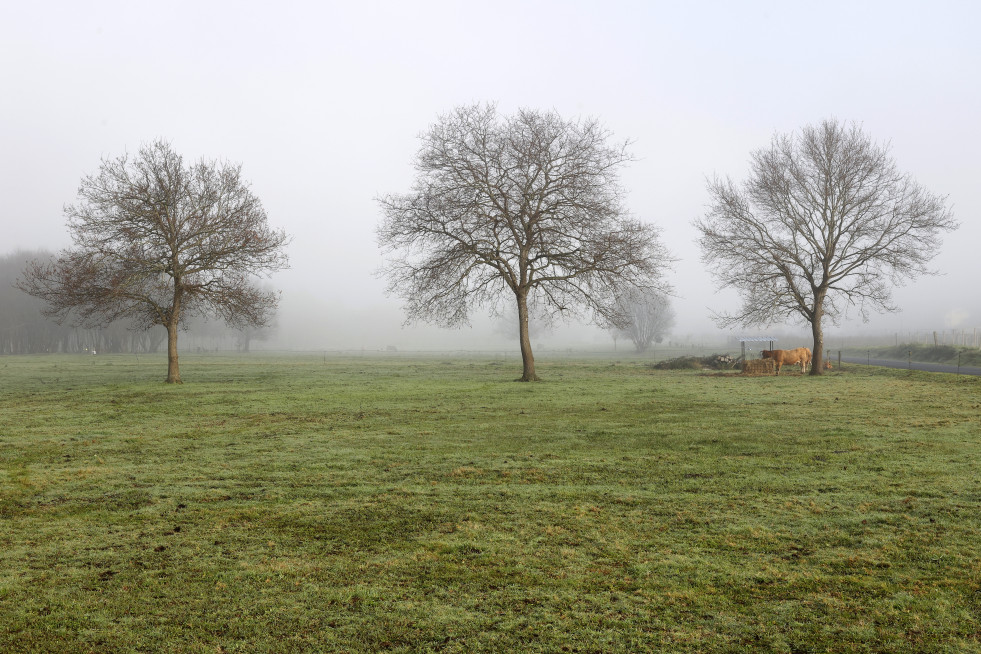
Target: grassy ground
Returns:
[413, 505]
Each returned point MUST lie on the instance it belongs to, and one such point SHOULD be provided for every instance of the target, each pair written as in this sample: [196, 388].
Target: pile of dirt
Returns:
[712, 362]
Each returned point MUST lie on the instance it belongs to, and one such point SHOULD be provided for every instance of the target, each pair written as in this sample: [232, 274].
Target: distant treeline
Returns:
[25, 330]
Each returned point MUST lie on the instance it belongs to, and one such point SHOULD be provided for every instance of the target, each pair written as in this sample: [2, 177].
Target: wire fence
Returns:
[967, 337]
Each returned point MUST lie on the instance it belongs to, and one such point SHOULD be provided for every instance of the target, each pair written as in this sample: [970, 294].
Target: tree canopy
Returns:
[527, 206]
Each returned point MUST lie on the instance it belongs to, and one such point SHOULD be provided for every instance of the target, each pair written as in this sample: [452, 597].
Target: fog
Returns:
[322, 104]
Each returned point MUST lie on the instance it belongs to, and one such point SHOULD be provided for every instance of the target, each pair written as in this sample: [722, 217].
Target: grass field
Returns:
[429, 504]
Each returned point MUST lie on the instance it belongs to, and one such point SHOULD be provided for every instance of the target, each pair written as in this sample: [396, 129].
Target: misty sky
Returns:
[322, 103]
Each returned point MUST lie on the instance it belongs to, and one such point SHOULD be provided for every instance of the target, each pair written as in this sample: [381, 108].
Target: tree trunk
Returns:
[817, 355]
[173, 369]
[172, 324]
[527, 358]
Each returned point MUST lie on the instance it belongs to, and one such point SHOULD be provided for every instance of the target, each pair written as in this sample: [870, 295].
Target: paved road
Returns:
[916, 365]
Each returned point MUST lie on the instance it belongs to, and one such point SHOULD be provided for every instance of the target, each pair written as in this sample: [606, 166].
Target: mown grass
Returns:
[430, 504]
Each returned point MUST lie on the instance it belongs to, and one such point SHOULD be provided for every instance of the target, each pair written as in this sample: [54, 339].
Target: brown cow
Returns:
[801, 356]
[806, 359]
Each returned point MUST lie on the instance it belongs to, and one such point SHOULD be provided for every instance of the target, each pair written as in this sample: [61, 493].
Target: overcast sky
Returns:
[322, 103]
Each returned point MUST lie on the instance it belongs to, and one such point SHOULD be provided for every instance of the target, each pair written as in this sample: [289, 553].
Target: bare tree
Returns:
[247, 334]
[528, 204]
[244, 336]
[825, 222]
[156, 241]
[650, 316]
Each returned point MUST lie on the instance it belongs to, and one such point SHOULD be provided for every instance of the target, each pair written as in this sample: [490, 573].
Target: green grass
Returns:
[430, 504]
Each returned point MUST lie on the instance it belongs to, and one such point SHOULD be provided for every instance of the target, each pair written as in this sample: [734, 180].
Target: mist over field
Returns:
[322, 104]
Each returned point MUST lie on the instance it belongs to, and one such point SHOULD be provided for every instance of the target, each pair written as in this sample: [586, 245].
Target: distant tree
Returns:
[505, 321]
[650, 318]
[245, 336]
[152, 338]
[23, 327]
[824, 222]
[528, 206]
[155, 241]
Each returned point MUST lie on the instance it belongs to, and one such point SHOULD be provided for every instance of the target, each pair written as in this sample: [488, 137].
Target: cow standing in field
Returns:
[806, 358]
[801, 356]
